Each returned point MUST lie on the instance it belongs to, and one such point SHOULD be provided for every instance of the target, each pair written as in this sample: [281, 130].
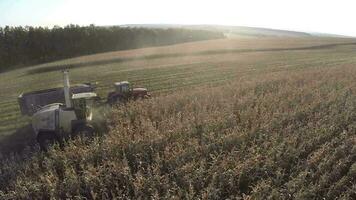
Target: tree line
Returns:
[21, 46]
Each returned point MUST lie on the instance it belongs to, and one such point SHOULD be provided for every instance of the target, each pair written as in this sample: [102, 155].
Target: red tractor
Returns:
[123, 93]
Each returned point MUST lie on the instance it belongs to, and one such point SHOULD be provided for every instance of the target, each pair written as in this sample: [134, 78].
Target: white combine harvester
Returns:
[57, 121]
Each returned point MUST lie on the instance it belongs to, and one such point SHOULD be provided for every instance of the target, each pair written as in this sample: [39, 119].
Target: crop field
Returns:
[171, 67]
[248, 118]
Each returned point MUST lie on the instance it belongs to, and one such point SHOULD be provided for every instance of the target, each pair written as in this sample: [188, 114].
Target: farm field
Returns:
[163, 69]
[252, 118]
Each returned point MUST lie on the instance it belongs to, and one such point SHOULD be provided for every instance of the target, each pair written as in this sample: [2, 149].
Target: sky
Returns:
[324, 16]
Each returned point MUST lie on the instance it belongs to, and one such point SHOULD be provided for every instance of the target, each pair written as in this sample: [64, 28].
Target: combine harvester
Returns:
[62, 113]
[56, 114]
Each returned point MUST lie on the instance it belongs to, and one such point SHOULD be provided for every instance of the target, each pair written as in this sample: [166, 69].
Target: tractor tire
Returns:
[86, 131]
[141, 97]
[116, 100]
[146, 96]
[46, 139]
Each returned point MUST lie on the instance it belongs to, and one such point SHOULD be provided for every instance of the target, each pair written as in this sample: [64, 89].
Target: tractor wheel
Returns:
[112, 100]
[84, 131]
[46, 139]
[116, 100]
[142, 97]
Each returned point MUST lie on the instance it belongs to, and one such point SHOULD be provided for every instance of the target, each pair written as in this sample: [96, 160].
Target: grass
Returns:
[253, 124]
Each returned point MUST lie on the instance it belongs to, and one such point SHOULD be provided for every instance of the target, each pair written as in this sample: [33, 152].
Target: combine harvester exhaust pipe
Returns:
[66, 89]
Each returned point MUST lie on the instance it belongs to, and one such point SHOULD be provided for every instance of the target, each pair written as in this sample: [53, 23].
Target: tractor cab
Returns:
[122, 87]
[82, 102]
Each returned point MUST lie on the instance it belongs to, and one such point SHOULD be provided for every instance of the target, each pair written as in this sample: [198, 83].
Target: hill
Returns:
[260, 118]
[241, 31]
[232, 31]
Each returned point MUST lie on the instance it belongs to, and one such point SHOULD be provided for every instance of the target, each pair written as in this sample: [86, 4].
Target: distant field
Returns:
[168, 68]
[206, 46]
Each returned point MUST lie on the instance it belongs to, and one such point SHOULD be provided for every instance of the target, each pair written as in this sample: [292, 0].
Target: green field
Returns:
[254, 118]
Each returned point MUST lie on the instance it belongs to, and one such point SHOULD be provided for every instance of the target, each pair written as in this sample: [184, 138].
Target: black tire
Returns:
[142, 97]
[46, 139]
[86, 131]
[112, 98]
[117, 100]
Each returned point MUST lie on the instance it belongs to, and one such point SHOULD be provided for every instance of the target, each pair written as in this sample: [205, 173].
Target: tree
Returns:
[21, 46]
